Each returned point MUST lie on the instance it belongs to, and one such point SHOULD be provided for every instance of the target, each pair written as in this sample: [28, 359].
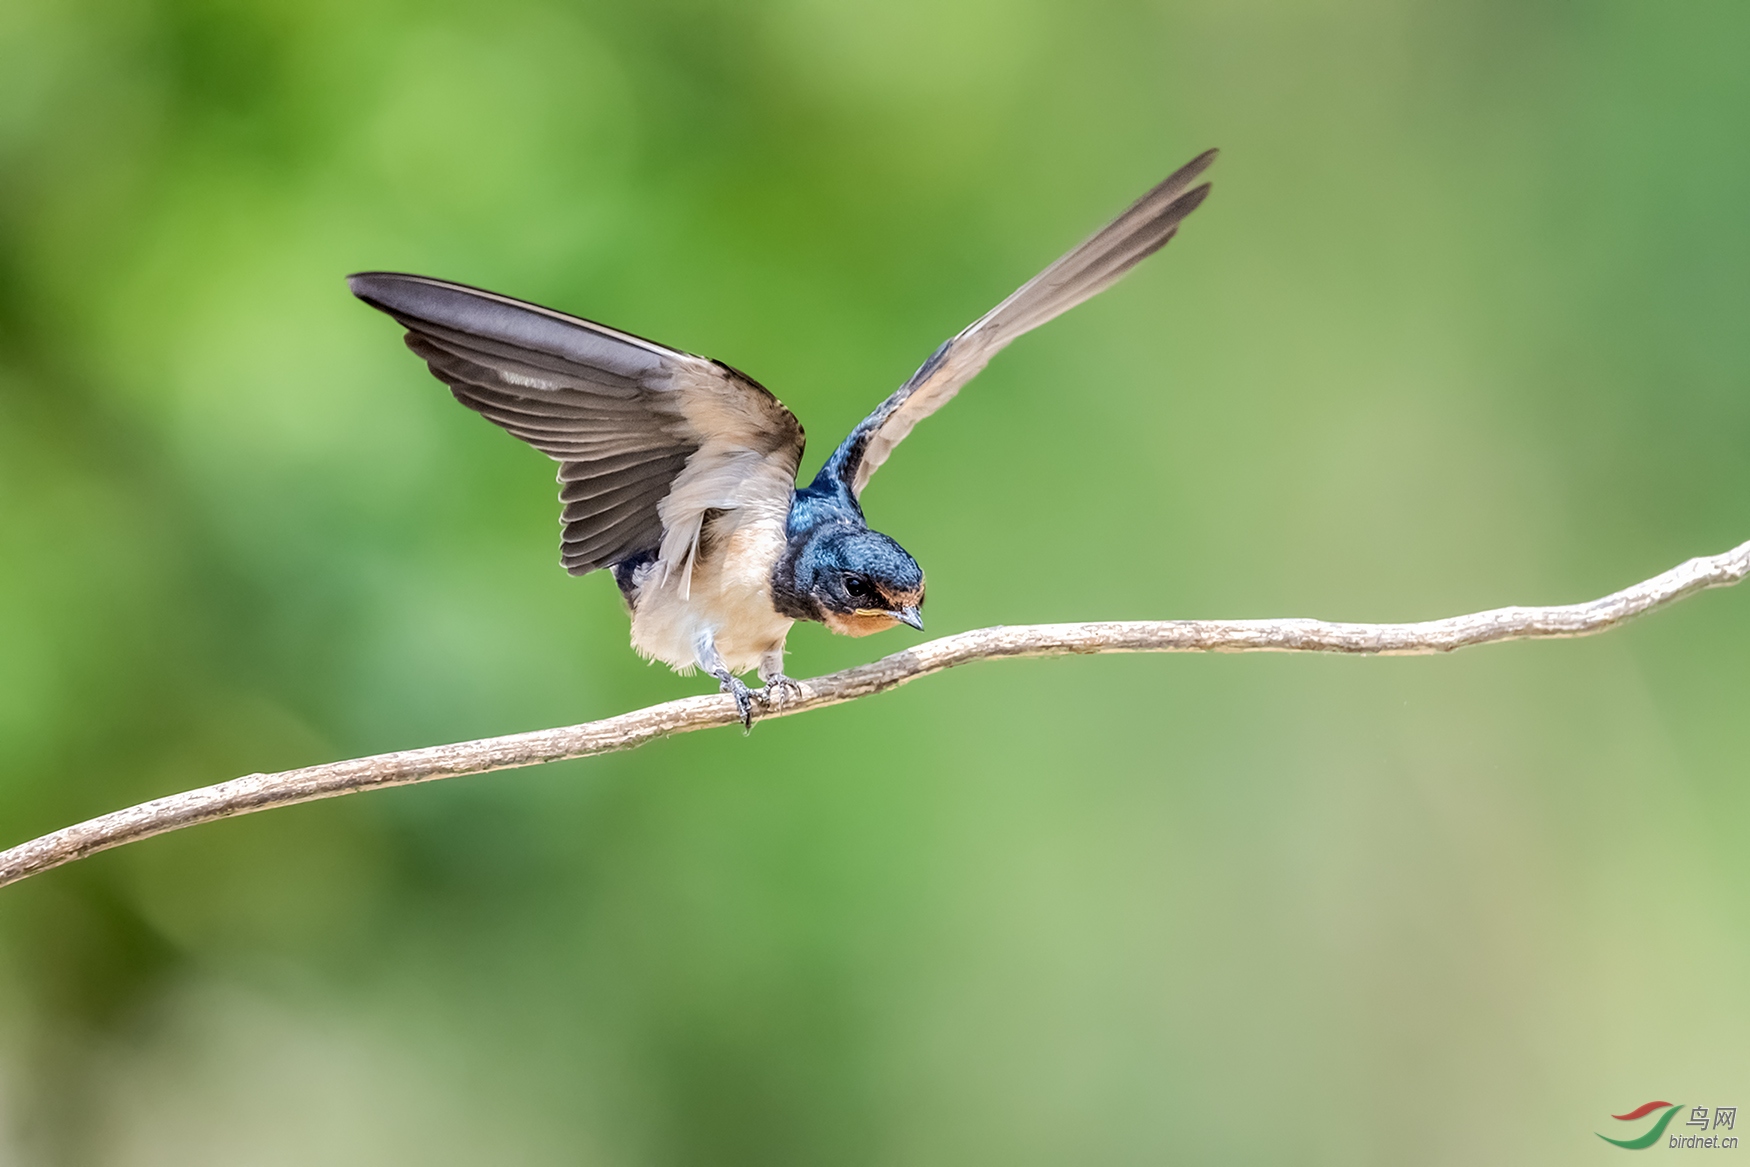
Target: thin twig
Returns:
[256, 792]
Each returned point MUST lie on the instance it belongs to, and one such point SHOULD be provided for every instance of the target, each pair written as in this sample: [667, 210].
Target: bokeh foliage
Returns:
[1463, 325]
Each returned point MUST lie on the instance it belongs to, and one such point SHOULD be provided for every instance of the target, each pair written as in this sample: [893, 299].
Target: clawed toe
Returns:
[779, 689]
[743, 700]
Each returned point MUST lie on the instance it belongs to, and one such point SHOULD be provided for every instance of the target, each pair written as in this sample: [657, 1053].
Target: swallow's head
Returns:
[860, 581]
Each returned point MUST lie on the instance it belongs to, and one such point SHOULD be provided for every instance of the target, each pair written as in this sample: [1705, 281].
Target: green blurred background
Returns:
[1464, 324]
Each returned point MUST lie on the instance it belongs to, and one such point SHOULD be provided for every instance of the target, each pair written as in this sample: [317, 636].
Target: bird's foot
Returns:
[733, 685]
[779, 690]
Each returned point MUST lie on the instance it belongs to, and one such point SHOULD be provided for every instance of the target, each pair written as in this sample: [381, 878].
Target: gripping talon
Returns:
[743, 699]
[779, 689]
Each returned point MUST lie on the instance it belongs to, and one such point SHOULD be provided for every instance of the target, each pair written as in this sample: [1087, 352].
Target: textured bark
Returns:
[256, 792]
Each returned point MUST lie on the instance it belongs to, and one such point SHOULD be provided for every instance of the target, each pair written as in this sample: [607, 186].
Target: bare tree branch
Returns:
[256, 792]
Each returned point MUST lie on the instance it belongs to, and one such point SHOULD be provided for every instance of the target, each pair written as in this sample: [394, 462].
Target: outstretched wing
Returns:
[1097, 264]
[647, 438]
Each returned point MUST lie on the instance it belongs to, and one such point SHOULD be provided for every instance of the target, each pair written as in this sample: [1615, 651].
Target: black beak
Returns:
[910, 616]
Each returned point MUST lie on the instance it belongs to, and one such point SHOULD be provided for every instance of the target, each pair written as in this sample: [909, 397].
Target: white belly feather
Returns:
[729, 595]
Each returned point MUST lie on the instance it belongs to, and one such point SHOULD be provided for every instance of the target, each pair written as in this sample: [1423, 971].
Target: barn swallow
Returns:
[678, 473]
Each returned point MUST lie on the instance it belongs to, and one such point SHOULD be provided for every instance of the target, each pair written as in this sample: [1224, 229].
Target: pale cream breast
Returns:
[728, 594]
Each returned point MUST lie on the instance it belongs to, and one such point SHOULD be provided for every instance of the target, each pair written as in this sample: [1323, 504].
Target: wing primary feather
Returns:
[488, 316]
[1093, 267]
[560, 405]
[523, 369]
[1084, 271]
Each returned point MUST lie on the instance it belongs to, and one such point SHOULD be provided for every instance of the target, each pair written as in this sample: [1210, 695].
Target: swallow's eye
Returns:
[860, 589]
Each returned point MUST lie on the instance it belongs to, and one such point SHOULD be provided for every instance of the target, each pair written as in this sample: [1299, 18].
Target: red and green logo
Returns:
[1642, 1142]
